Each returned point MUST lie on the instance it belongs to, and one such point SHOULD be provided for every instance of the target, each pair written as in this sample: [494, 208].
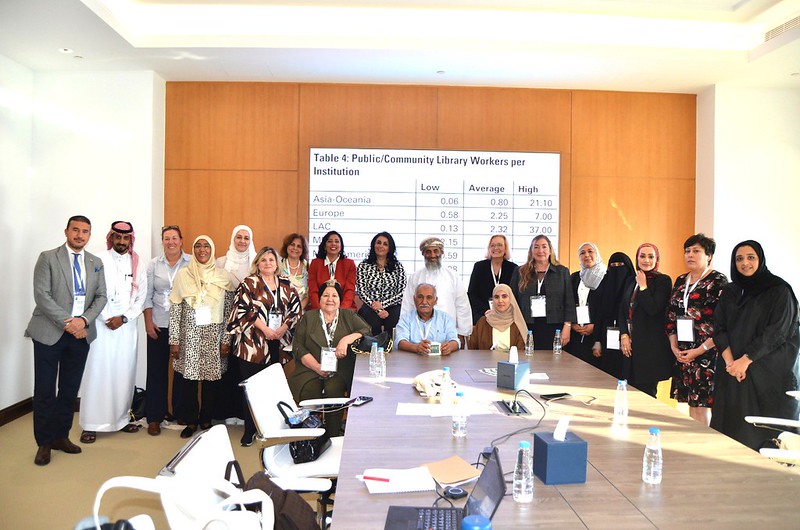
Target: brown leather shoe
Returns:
[63, 444]
[153, 428]
[42, 455]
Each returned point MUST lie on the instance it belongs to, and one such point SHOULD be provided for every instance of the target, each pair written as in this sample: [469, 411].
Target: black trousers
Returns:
[158, 366]
[53, 411]
[377, 323]
[194, 411]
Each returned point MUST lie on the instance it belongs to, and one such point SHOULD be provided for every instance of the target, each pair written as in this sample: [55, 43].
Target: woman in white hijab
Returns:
[588, 286]
[240, 255]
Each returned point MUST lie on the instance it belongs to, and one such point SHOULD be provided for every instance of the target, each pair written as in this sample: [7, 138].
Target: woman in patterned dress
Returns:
[200, 301]
[380, 282]
[690, 327]
[266, 309]
[294, 264]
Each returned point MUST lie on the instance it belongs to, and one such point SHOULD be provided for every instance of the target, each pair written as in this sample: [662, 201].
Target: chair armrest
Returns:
[794, 393]
[324, 402]
[303, 484]
[763, 420]
[781, 455]
[284, 436]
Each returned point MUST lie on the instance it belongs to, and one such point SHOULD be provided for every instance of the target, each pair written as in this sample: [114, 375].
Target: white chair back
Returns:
[263, 391]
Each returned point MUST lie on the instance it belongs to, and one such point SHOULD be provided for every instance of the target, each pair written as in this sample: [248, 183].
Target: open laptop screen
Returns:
[489, 489]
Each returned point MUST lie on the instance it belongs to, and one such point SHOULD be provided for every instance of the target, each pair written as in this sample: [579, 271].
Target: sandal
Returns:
[131, 427]
[88, 437]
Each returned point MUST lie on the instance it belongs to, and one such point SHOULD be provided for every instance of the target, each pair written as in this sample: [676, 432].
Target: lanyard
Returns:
[687, 290]
[171, 277]
[329, 335]
[332, 266]
[275, 298]
[424, 330]
[495, 279]
[540, 282]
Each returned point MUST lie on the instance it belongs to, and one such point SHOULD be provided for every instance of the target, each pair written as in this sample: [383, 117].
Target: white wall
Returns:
[756, 173]
[94, 143]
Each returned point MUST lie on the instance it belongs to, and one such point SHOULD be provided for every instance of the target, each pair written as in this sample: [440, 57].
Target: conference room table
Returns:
[709, 480]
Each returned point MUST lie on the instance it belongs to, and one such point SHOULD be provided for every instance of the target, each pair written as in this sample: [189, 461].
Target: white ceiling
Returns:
[633, 45]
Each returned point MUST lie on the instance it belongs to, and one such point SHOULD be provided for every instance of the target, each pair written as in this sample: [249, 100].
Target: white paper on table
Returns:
[399, 480]
[539, 376]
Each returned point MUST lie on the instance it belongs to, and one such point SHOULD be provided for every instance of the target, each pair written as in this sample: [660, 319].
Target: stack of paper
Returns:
[398, 480]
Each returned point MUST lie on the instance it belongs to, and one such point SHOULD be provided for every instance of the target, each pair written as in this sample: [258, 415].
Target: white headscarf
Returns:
[235, 260]
[592, 277]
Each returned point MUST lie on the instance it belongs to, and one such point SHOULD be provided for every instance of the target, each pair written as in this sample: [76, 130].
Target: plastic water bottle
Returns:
[557, 343]
[621, 403]
[529, 344]
[373, 360]
[651, 464]
[459, 416]
[380, 366]
[522, 489]
[446, 392]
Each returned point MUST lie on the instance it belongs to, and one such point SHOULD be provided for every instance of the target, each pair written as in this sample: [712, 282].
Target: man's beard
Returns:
[433, 265]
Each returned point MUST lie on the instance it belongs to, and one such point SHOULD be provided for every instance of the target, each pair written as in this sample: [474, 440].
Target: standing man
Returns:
[70, 291]
[111, 367]
[452, 296]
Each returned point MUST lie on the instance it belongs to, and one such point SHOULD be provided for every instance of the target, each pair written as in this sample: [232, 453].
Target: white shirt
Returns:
[450, 291]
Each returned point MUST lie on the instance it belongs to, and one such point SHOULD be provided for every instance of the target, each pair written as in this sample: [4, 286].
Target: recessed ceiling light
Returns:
[65, 50]
[440, 72]
[78, 57]
[795, 74]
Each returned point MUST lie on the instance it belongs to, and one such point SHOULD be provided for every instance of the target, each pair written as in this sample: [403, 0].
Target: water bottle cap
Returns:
[655, 430]
[524, 444]
[530, 332]
[558, 330]
[459, 394]
[380, 349]
[475, 522]
[446, 369]
[622, 382]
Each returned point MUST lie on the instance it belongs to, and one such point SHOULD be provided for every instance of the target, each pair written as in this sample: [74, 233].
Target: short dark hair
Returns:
[321, 253]
[284, 252]
[708, 244]
[391, 257]
[80, 219]
[330, 283]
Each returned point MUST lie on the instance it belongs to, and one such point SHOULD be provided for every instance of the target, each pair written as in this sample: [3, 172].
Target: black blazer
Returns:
[579, 345]
[481, 285]
[652, 359]
[557, 287]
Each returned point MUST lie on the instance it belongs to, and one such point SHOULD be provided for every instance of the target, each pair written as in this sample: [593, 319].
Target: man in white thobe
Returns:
[109, 379]
[452, 296]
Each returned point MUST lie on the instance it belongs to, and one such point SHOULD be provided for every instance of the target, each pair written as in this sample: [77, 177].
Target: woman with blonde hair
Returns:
[488, 273]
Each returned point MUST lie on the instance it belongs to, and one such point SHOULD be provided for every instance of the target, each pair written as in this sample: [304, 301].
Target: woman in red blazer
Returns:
[331, 262]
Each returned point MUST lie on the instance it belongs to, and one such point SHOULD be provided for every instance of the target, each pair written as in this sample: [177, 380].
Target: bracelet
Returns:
[567, 324]
[704, 346]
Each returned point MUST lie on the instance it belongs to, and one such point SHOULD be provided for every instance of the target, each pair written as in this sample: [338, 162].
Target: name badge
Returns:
[202, 315]
[436, 348]
[538, 307]
[328, 360]
[491, 301]
[78, 304]
[583, 314]
[274, 320]
[685, 329]
[612, 338]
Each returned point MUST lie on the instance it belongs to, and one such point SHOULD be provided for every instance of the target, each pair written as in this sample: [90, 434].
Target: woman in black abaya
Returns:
[756, 329]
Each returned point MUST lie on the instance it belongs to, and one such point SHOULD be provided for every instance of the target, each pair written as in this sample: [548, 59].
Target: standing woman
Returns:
[642, 315]
[756, 328]
[240, 254]
[487, 274]
[201, 298]
[620, 272]
[266, 309]
[332, 329]
[543, 290]
[331, 263]
[690, 327]
[294, 264]
[161, 273]
[380, 281]
[502, 326]
[587, 286]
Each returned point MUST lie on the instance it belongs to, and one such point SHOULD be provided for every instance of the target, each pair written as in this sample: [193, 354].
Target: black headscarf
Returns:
[614, 282]
[759, 282]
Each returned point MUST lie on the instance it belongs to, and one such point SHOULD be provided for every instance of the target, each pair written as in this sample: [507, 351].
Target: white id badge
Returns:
[490, 304]
[612, 338]
[202, 315]
[538, 308]
[275, 320]
[78, 305]
[328, 360]
[685, 329]
[583, 314]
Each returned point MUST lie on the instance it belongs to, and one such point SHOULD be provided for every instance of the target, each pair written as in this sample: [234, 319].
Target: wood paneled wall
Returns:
[237, 153]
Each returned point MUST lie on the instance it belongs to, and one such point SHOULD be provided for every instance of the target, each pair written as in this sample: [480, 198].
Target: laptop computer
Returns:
[483, 500]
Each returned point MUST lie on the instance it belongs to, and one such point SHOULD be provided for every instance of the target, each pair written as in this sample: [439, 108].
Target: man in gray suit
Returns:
[69, 288]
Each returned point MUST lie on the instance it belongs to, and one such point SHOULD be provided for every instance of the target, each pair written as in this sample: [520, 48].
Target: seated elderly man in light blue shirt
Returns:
[424, 331]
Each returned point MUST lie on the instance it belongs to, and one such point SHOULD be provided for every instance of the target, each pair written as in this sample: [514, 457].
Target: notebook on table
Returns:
[484, 500]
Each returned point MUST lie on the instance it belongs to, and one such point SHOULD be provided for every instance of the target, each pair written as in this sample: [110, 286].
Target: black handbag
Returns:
[383, 340]
[303, 451]
[137, 412]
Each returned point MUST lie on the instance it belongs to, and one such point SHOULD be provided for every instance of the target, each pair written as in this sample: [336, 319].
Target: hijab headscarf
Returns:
[759, 282]
[654, 271]
[235, 260]
[616, 279]
[502, 321]
[202, 284]
[592, 276]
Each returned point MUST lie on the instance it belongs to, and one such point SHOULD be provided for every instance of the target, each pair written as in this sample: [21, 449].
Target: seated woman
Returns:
[380, 282]
[330, 329]
[503, 326]
[487, 273]
[331, 263]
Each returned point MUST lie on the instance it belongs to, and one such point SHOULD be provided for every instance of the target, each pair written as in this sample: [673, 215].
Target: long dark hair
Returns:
[391, 257]
[321, 253]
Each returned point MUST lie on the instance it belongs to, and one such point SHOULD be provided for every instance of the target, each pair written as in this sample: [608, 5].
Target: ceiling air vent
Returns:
[783, 28]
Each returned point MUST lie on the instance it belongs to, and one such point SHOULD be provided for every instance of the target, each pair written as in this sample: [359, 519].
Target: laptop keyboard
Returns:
[439, 518]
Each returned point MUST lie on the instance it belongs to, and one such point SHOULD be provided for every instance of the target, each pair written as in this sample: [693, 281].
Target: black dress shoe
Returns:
[188, 431]
[247, 439]
[63, 444]
[42, 455]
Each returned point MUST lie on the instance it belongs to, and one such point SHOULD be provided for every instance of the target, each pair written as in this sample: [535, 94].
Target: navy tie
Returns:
[76, 275]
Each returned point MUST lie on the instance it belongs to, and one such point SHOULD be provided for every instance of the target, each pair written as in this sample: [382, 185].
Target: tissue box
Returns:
[513, 375]
[557, 462]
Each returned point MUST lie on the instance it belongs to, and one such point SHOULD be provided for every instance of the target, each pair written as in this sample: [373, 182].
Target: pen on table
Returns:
[367, 477]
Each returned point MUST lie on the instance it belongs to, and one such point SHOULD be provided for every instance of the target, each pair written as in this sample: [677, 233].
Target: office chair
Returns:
[263, 391]
[789, 451]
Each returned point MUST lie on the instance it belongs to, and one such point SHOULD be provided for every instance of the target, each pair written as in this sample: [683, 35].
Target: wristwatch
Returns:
[124, 319]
